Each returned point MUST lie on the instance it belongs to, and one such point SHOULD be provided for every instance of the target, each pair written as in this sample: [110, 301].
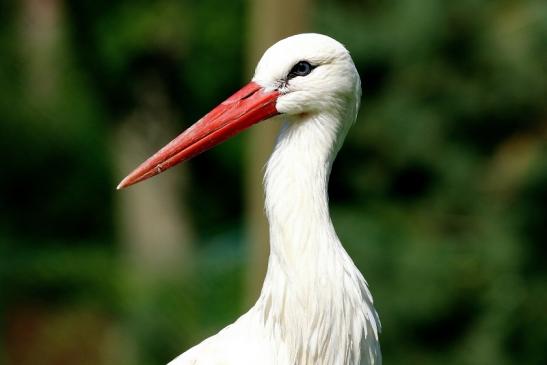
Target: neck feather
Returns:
[314, 299]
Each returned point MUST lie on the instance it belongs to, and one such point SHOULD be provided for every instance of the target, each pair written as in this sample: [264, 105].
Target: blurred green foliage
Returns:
[439, 194]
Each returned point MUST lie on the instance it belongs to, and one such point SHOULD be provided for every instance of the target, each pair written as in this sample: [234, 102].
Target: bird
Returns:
[315, 306]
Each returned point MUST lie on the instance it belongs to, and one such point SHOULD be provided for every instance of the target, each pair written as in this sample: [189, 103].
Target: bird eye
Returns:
[302, 68]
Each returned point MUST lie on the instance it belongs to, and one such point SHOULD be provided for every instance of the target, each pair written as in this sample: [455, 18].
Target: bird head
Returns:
[298, 76]
[312, 72]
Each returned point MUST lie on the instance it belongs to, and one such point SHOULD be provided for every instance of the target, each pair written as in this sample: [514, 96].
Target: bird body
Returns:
[315, 307]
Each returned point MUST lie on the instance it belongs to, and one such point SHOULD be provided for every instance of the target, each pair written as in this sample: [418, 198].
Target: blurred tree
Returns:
[268, 22]
[154, 226]
[41, 42]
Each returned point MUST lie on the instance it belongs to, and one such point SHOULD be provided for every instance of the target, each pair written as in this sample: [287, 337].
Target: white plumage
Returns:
[315, 307]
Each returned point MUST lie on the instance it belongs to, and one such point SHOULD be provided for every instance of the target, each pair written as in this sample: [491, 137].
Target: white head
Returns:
[314, 73]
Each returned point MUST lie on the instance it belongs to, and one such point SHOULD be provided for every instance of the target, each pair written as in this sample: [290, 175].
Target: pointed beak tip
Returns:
[123, 184]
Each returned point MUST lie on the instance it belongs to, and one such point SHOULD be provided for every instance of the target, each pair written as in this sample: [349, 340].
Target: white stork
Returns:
[315, 307]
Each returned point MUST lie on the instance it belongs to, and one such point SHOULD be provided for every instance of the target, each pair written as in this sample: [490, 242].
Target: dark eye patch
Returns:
[302, 68]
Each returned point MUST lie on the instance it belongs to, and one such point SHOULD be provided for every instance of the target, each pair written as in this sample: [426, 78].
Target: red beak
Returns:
[246, 107]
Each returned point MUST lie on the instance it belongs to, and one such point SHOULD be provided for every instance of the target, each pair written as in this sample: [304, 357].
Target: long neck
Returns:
[314, 299]
[296, 183]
